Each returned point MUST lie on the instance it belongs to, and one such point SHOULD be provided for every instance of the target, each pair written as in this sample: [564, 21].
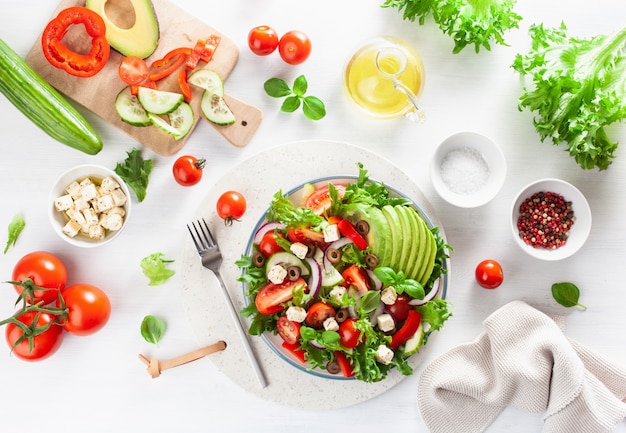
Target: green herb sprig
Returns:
[312, 106]
[155, 268]
[135, 171]
[16, 226]
[567, 294]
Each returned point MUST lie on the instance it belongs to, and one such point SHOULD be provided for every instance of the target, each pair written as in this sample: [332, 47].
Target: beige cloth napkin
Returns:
[522, 359]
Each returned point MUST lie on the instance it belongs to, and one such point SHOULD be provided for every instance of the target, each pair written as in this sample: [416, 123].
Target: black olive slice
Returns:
[333, 255]
[362, 227]
[333, 367]
[293, 273]
[258, 259]
[371, 260]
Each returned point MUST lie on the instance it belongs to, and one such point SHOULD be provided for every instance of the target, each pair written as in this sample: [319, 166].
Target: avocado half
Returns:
[139, 38]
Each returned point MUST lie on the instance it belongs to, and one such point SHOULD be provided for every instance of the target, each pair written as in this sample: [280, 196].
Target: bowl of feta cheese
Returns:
[89, 205]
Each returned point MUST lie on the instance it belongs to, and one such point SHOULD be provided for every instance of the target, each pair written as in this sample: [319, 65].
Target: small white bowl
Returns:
[468, 169]
[579, 231]
[59, 219]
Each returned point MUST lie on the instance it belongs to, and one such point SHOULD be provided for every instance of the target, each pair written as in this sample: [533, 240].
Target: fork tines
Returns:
[203, 238]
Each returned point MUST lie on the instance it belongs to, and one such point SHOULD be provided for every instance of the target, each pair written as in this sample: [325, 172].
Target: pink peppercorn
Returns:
[545, 220]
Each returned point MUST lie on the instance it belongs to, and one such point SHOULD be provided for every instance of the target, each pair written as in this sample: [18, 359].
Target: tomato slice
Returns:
[271, 297]
[407, 330]
[133, 70]
[288, 330]
[348, 230]
[356, 277]
[306, 236]
[317, 313]
[344, 364]
[320, 200]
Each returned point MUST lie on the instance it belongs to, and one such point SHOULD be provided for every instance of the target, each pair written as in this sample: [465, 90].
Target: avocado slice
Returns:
[431, 259]
[428, 260]
[410, 239]
[139, 38]
[379, 237]
[423, 246]
[396, 235]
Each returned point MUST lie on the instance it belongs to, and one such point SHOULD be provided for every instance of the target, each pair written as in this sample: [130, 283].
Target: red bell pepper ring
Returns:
[169, 63]
[348, 230]
[183, 84]
[203, 50]
[295, 350]
[344, 364]
[60, 56]
[407, 330]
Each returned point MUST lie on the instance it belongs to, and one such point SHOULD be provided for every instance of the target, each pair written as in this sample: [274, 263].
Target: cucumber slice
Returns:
[159, 101]
[414, 343]
[180, 121]
[286, 260]
[215, 109]
[207, 79]
[130, 109]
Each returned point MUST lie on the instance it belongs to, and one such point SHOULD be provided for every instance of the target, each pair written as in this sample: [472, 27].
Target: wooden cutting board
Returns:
[177, 29]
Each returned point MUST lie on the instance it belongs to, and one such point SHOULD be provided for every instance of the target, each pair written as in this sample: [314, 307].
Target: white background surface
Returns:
[97, 383]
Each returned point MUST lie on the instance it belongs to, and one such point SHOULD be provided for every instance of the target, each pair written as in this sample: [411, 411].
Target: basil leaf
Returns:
[369, 302]
[300, 85]
[567, 294]
[313, 108]
[290, 104]
[16, 226]
[412, 288]
[276, 88]
[152, 329]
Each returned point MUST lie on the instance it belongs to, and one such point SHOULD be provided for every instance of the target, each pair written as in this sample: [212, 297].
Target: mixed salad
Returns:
[347, 274]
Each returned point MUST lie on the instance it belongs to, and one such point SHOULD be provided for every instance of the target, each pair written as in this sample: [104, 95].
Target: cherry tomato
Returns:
[319, 200]
[88, 309]
[271, 297]
[187, 170]
[294, 47]
[288, 330]
[43, 345]
[400, 309]
[263, 40]
[489, 274]
[231, 206]
[268, 245]
[349, 335]
[306, 236]
[317, 313]
[133, 70]
[45, 270]
[356, 277]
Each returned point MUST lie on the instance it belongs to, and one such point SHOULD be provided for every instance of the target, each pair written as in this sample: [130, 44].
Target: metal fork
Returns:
[212, 259]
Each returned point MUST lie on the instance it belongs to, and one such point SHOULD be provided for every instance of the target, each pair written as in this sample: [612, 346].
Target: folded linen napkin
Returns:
[522, 359]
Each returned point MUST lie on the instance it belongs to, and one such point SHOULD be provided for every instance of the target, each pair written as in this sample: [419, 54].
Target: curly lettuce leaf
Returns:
[468, 22]
[578, 88]
[155, 268]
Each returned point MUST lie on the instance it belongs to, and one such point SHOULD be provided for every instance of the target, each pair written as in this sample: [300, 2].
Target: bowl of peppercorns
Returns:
[550, 219]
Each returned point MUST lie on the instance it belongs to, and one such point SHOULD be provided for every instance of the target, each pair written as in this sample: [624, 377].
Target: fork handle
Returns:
[244, 339]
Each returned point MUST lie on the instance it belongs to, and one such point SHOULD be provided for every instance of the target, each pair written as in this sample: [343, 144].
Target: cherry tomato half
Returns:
[317, 313]
[45, 270]
[294, 47]
[268, 245]
[44, 344]
[187, 170]
[88, 309]
[489, 274]
[288, 330]
[231, 206]
[133, 70]
[262, 40]
[349, 335]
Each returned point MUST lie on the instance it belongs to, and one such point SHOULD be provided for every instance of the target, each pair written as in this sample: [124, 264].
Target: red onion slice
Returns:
[315, 280]
[429, 297]
[265, 228]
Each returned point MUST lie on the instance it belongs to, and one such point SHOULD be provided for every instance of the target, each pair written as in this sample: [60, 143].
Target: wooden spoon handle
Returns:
[192, 356]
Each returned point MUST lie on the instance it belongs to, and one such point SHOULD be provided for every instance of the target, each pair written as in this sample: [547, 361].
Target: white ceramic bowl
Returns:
[468, 169]
[59, 219]
[579, 230]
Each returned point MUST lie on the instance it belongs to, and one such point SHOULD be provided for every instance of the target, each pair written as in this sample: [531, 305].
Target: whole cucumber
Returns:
[43, 104]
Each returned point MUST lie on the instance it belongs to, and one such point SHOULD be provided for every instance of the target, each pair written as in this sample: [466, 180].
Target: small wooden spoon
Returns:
[155, 367]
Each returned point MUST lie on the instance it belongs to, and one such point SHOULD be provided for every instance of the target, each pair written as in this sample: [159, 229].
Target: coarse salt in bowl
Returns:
[576, 234]
[468, 169]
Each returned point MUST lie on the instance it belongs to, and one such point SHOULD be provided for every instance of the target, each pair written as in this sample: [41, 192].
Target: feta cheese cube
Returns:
[389, 295]
[86, 181]
[88, 192]
[63, 203]
[81, 204]
[111, 222]
[296, 314]
[331, 233]
[385, 322]
[77, 216]
[104, 203]
[91, 217]
[299, 249]
[73, 189]
[337, 293]
[277, 274]
[71, 228]
[118, 196]
[96, 232]
[109, 184]
[330, 324]
[384, 355]
[118, 210]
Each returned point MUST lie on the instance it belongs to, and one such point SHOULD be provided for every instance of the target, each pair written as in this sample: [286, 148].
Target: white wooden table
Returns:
[98, 384]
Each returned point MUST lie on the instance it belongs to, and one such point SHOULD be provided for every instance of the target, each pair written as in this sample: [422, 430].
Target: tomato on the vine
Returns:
[489, 274]
[88, 309]
[37, 347]
[262, 40]
[349, 335]
[45, 270]
[187, 170]
[294, 47]
[231, 206]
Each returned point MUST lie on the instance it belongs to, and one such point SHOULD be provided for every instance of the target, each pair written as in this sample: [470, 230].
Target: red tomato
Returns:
[288, 330]
[187, 170]
[489, 274]
[231, 206]
[271, 297]
[356, 277]
[263, 40]
[317, 313]
[400, 309]
[45, 270]
[305, 236]
[43, 345]
[133, 70]
[349, 336]
[294, 47]
[88, 309]
[268, 245]
[319, 200]
[295, 350]
[344, 364]
[347, 229]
